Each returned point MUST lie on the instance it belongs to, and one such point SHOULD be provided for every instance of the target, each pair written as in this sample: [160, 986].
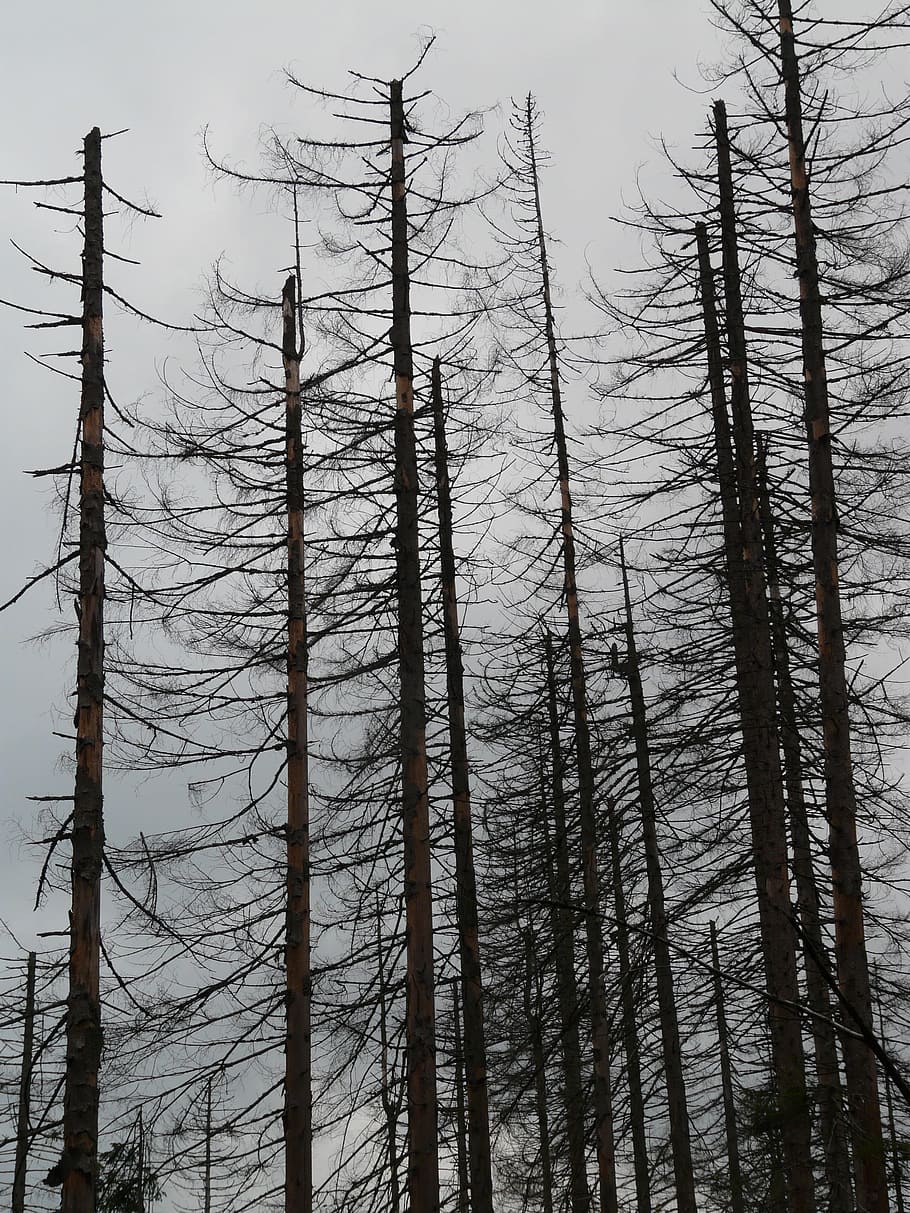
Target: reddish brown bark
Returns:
[840, 793]
[606, 1163]
[423, 1160]
[77, 1170]
[677, 1105]
[757, 710]
[475, 1055]
[298, 1094]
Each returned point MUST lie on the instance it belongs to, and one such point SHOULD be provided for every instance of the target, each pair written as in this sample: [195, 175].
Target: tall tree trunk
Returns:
[666, 998]
[630, 1028]
[461, 1127]
[25, 1088]
[840, 794]
[298, 1092]
[475, 1054]
[757, 709]
[423, 1158]
[77, 1170]
[562, 925]
[533, 1013]
[726, 1080]
[896, 1168]
[606, 1163]
[207, 1163]
[389, 1104]
[830, 1096]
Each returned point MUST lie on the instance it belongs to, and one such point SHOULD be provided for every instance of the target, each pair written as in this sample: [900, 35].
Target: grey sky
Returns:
[603, 75]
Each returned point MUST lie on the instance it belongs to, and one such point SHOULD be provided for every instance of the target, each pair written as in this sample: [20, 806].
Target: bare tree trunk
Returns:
[830, 1095]
[389, 1105]
[475, 1054]
[461, 1128]
[423, 1158]
[840, 794]
[606, 1163]
[892, 1129]
[563, 928]
[630, 1029]
[77, 1170]
[726, 1079]
[757, 708]
[680, 1143]
[207, 1165]
[25, 1088]
[533, 1008]
[298, 1092]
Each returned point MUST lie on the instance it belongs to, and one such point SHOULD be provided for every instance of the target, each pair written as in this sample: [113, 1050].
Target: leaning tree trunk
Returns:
[757, 709]
[25, 1087]
[892, 1129]
[463, 1203]
[840, 794]
[423, 1157]
[77, 1170]
[680, 1143]
[562, 924]
[629, 1026]
[298, 1092]
[830, 1095]
[600, 1039]
[726, 1080]
[475, 1054]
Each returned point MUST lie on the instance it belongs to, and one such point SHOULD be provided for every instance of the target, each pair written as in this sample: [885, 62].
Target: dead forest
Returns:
[516, 712]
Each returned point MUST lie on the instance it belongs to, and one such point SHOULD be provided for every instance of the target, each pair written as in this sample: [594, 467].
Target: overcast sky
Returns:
[603, 75]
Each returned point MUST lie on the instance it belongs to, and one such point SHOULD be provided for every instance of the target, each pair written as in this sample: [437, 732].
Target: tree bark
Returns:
[606, 1163]
[726, 1080]
[562, 925]
[77, 1170]
[630, 1029]
[680, 1143]
[389, 1105]
[207, 1163]
[533, 999]
[298, 1092]
[461, 1126]
[423, 1159]
[840, 794]
[830, 1095]
[757, 710]
[475, 1054]
[25, 1088]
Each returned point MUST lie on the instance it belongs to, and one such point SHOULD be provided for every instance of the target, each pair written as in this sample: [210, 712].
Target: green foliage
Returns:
[126, 1183]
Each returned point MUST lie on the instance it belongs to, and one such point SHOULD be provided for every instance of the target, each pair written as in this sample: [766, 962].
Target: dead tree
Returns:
[827, 1069]
[77, 1170]
[666, 998]
[629, 1026]
[475, 1058]
[840, 795]
[757, 708]
[726, 1079]
[298, 1083]
[423, 1164]
[563, 929]
[25, 1086]
[527, 172]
